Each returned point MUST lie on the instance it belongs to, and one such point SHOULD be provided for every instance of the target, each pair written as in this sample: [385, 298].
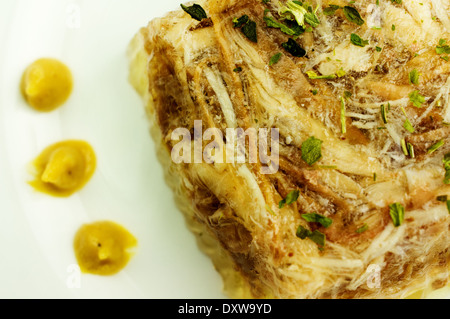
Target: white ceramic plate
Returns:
[36, 231]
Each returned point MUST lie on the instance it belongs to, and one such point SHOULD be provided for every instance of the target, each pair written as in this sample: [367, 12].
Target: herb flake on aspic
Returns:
[311, 150]
[195, 11]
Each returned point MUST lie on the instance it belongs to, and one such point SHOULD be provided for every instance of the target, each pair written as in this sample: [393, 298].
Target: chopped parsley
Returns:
[195, 11]
[383, 113]
[378, 49]
[331, 9]
[358, 41]
[347, 94]
[249, 30]
[407, 125]
[317, 218]
[397, 1]
[238, 23]
[397, 213]
[446, 162]
[247, 26]
[410, 149]
[294, 48]
[393, 27]
[352, 15]
[314, 92]
[238, 69]
[272, 23]
[407, 148]
[311, 150]
[340, 73]
[343, 119]
[416, 98]
[414, 77]
[362, 229]
[290, 198]
[314, 76]
[316, 236]
[300, 12]
[275, 58]
[404, 147]
[436, 146]
[442, 47]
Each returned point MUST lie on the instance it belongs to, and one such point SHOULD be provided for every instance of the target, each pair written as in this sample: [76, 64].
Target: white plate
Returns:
[36, 231]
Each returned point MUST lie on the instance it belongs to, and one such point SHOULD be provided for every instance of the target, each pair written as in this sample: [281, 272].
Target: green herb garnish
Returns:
[397, 213]
[404, 147]
[290, 198]
[343, 118]
[249, 30]
[340, 73]
[383, 113]
[414, 77]
[407, 125]
[331, 9]
[294, 48]
[275, 58]
[314, 76]
[357, 40]
[238, 23]
[238, 69]
[378, 49]
[272, 23]
[353, 15]
[316, 236]
[446, 162]
[311, 150]
[195, 11]
[410, 149]
[248, 27]
[434, 147]
[416, 98]
[393, 27]
[347, 94]
[442, 47]
[317, 218]
[300, 12]
[362, 229]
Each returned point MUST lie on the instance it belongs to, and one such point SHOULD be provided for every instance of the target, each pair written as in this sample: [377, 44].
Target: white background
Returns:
[36, 230]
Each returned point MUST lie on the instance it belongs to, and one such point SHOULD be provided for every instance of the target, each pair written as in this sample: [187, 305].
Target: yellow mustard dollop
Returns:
[64, 168]
[103, 248]
[46, 84]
